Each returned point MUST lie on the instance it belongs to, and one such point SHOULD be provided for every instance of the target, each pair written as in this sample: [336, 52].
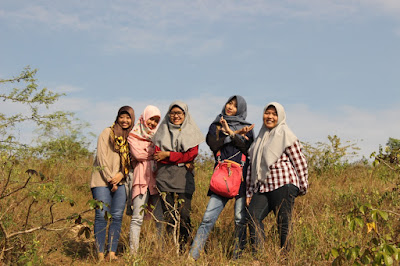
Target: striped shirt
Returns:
[290, 168]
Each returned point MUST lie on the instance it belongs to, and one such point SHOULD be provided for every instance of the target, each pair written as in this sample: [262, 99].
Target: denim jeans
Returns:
[214, 208]
[116, 201]
[281, 202]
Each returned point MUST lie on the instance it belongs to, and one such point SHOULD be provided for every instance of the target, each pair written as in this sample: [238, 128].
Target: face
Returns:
[152, 122]
[176, 116]
[124, 120]
[270, 117]
[231, 107]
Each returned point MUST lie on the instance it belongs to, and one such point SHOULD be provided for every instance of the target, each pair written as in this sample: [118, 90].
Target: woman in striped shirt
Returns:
[278, 174]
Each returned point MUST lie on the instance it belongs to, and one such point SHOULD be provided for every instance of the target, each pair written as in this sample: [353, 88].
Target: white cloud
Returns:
[156, 26]
[368, 128]
[54, 18]
[388, 6]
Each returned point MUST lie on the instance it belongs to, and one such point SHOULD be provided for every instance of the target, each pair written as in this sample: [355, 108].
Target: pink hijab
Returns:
[141, 130]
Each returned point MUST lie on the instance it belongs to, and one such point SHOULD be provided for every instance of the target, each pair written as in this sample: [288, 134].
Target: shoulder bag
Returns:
[227, 176]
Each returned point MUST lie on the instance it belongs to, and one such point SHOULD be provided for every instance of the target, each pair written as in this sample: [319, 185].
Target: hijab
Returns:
[238, 120]
[141, 130]
[178, 138]
[269, 145]
[118, 138]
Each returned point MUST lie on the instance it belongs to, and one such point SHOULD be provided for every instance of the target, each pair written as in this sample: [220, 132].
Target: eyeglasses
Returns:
[176, 113]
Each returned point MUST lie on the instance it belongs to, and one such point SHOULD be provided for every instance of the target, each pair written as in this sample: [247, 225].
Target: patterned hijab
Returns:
[178, 138]
[237, 121]
[269, 145]
[141, 130]
[118, 138]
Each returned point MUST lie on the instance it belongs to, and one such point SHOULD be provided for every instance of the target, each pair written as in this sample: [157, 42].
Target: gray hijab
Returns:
[237, 121]
[178, 138]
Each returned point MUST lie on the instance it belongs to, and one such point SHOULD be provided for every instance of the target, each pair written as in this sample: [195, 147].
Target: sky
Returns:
[333, 64]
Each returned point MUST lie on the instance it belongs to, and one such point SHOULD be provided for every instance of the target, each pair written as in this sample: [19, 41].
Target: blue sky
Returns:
[334, 65]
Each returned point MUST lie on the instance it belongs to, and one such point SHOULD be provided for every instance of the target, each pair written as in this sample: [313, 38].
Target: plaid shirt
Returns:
[291, 168]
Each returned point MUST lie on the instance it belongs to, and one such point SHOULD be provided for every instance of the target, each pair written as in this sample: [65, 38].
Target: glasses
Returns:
[176, 113]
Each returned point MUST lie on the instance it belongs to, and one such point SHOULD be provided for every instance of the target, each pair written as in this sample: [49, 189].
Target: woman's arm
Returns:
[299, 163]
[243, 143]
[249, 189]
[172, 157]
[215, 139]
[109, 164]
[140, 149]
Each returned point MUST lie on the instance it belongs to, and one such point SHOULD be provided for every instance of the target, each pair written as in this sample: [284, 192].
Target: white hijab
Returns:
[269, 145]
[179, 138]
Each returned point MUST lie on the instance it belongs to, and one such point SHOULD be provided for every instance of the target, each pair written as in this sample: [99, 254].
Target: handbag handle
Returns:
[242, 161]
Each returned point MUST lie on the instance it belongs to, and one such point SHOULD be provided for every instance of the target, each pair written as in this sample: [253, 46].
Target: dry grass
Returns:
[318, 220]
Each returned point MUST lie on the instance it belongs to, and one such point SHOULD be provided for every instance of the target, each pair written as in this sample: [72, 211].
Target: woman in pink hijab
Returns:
[143, 182]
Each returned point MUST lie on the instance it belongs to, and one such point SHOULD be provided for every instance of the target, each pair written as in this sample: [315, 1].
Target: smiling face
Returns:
[270, 117]
[152, 122]
[176, 116]
[231, 107]
[124, 120]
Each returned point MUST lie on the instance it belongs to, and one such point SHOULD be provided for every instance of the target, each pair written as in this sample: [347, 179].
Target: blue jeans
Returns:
[116, 201]
[214, 208]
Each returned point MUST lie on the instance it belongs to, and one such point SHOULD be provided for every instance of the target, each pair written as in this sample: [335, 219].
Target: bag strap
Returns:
[242, 161]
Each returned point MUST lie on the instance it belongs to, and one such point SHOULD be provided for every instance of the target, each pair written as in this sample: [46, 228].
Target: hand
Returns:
[189, 166]
[114, 188]
[116, 179]
[248, 200]
[243, 131]
[161, 155]
[225, 127]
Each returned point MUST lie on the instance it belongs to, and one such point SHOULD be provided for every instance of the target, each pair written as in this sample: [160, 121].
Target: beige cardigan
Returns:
[107, 161]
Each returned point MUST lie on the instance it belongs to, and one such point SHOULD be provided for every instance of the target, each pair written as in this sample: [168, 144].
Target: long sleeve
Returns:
[250, 190]
[141, 150]
[180, 157]
[108, 163]
[223, 141]
[215, 143]
[242, 143]
[299, 163]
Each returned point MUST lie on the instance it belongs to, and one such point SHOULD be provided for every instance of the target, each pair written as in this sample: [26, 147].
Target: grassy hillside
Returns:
[350, 214]
[322, 227]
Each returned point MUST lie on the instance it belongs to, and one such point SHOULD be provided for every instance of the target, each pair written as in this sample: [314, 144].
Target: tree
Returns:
[389, 156]
[393, 150]
[329, 156]
[35, 100]
[29, 198]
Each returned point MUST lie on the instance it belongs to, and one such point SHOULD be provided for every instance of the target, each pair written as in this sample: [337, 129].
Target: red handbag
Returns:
[227, 176]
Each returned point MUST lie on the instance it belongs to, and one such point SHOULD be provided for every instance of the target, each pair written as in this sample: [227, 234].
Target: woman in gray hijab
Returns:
[231, 136]
[176, 141]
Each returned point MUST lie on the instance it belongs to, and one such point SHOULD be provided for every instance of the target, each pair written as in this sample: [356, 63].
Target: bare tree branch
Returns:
[16, 190]
[8, 180]
[29, 211]
[43, 227]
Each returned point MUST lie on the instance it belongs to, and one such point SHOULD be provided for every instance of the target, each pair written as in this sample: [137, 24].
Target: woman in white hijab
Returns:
[176, 146]
[278, 175]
